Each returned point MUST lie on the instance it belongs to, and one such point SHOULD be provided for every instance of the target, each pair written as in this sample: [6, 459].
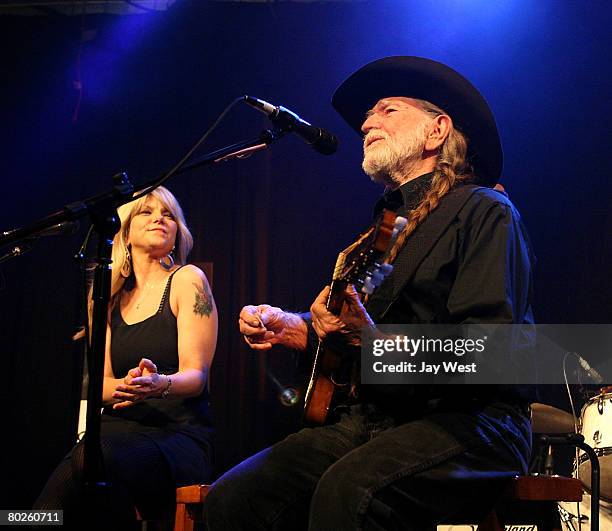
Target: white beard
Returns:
[390, 160]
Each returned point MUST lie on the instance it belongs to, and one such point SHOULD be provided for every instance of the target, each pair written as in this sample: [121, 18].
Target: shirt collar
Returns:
[407, 196]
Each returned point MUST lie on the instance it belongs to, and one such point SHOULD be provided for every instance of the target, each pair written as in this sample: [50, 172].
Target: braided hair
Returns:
[451, 169]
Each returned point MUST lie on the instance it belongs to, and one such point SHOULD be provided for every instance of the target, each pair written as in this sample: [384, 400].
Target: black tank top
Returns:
[156, 338]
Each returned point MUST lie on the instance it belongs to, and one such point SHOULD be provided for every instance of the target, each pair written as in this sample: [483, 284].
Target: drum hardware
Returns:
[567, 518]
[577, 439]
[576, 516]
[549, 463]
[550, 420]
[599, 452]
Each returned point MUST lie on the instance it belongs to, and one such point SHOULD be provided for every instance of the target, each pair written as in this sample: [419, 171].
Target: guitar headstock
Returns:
[362, 262]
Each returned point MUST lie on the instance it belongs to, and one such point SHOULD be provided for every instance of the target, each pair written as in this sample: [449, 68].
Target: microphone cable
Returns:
[189, 153]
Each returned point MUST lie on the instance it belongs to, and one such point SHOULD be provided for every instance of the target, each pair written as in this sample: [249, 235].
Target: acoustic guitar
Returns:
[361, 264]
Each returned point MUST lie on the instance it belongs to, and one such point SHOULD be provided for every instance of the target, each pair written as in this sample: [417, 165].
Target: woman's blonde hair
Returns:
[182, 245]
[451, 169]
[121, 259]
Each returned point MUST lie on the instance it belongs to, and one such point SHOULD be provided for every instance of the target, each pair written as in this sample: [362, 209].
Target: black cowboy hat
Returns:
[420, 78]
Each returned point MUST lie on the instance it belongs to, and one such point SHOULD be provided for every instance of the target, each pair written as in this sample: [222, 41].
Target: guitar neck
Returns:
[335, 301]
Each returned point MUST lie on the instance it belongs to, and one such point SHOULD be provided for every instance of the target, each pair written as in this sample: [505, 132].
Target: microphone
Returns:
[595, 376]
[320, 139]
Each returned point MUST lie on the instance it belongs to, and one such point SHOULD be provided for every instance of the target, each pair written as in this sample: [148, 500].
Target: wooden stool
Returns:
[522, 502]
[189, 501]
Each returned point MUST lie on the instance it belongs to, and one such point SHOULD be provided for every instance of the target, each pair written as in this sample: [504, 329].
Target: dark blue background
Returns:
[272, 225]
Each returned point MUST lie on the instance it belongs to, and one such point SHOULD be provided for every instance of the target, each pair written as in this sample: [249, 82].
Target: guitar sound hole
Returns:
[338, 384]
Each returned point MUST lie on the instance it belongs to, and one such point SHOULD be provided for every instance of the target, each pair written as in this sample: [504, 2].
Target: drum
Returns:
[596, 427]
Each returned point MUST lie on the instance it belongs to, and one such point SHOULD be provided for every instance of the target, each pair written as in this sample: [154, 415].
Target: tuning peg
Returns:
[400, 223]
[368, 287]
[399, 226]
[377, 277]
[385, 269]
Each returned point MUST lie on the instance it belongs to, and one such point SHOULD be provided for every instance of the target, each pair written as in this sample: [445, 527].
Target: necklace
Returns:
[148, 289]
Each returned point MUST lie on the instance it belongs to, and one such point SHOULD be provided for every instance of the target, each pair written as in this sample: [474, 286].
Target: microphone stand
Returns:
[102, 210]
[18, 250]
[80, 209]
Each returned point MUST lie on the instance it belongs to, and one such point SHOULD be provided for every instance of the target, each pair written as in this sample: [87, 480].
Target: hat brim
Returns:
[420, 78]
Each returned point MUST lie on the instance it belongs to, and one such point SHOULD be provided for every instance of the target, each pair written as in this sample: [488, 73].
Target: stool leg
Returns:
[490, 523]
[182, 521]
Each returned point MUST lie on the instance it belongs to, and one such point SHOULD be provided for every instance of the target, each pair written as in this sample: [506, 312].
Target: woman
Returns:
[160, 343]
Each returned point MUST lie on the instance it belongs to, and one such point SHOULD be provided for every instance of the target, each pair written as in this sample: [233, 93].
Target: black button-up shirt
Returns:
[479, 271]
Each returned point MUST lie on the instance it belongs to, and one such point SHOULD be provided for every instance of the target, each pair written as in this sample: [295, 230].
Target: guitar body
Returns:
[316, 408]
[359, 264]
[327, 364]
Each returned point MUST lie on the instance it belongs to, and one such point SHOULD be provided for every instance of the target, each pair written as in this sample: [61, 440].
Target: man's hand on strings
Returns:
[345, 328]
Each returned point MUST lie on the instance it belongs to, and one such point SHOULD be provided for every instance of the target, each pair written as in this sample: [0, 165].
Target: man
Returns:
[403, 457]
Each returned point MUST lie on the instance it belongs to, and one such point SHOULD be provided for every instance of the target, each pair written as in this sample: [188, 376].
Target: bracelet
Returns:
[166, 391]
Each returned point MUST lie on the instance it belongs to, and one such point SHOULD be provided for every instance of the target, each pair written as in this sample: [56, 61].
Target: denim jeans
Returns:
[368, 471]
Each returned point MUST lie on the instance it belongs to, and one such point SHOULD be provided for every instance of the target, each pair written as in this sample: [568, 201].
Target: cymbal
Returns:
[549, 419]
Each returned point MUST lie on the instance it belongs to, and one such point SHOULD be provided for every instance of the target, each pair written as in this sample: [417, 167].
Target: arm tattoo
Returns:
[203, 300]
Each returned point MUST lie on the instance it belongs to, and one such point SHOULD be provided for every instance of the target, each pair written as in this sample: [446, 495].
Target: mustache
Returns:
[374, 135]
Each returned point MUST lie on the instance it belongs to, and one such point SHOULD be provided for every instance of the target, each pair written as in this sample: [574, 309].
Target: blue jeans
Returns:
[367, 471]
